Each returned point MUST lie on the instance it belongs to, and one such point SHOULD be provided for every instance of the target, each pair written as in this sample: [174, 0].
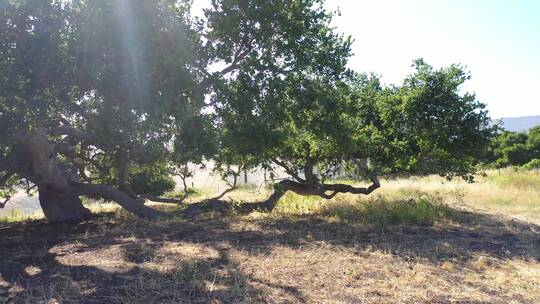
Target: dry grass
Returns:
[16, 215]
[417, 240]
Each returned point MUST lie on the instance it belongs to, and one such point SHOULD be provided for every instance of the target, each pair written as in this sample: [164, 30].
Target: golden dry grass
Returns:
[418, 240]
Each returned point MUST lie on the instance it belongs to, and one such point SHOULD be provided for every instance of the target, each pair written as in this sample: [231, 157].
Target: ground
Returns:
[418, 240]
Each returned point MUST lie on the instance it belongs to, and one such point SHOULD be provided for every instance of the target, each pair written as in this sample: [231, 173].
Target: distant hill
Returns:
[520, 124]
[22, 203]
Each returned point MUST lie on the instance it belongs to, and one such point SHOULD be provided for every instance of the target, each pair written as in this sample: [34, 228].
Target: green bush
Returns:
[151, 181]
[533, 164]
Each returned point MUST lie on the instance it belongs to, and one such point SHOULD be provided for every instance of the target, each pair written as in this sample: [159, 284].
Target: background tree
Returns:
[514, 149]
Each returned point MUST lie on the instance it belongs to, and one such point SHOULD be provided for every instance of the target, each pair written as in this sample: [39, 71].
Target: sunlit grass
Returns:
[520, 179]
[16, 215]
[382, 212]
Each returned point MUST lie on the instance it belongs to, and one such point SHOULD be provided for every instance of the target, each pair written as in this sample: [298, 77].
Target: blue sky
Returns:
[498, 41]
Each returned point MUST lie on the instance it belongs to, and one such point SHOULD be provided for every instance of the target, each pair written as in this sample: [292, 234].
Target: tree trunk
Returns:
[35, 161]
[59, 189]
[61, 205]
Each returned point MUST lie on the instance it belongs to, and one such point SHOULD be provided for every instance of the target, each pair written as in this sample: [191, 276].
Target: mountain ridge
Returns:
[519, 123]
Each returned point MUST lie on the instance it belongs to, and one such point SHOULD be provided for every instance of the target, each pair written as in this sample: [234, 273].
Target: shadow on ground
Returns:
[33, 254]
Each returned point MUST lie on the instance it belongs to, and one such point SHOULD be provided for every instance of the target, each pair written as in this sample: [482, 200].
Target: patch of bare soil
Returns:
[269, 259]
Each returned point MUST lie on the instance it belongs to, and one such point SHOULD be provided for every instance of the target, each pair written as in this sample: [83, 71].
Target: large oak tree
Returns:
[105, 98]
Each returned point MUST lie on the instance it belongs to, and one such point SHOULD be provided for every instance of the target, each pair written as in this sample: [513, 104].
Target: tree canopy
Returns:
[515, 149]
[109, 98]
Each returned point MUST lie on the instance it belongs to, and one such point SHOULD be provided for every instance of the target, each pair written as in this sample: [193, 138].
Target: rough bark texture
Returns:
[108, 193]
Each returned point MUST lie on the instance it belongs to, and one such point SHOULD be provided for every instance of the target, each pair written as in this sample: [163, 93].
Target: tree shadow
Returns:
[33, 271]
[466, 237]
[35, 256]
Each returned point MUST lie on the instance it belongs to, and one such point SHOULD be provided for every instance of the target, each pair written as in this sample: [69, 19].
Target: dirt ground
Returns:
[260, 258]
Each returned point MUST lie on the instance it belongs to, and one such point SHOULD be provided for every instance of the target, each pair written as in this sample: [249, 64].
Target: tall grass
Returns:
[383, 212]
[512, 178]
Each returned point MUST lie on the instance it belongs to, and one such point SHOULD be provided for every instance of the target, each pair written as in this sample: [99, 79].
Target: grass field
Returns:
[416, 240]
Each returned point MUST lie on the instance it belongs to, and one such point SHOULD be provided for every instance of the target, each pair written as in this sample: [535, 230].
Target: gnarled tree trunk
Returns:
[35, 160]
[59, 189]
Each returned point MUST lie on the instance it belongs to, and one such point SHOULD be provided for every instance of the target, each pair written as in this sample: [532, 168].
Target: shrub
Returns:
[151, 181]
[533, 164]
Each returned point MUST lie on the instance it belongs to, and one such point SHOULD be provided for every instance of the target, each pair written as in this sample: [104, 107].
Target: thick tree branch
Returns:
[288, 170]
[108, 193]
[280, 189]
[343, 188]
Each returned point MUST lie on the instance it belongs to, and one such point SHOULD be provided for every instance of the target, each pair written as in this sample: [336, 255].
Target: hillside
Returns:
[520, 124]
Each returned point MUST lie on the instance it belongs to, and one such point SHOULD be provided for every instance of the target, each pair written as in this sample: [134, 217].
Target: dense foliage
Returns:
[515, 149]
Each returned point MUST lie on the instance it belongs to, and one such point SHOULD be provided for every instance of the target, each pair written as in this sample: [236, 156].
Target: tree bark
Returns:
[35, 161]
[61, 205]
[109, 193]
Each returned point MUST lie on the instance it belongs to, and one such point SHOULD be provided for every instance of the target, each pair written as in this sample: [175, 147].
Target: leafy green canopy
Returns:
[123, 87]
[302, 118]
[515, 149]
[113, 82]
[430, 126]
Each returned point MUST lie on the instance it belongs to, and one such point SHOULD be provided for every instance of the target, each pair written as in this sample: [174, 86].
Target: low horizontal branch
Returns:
[112, 194]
